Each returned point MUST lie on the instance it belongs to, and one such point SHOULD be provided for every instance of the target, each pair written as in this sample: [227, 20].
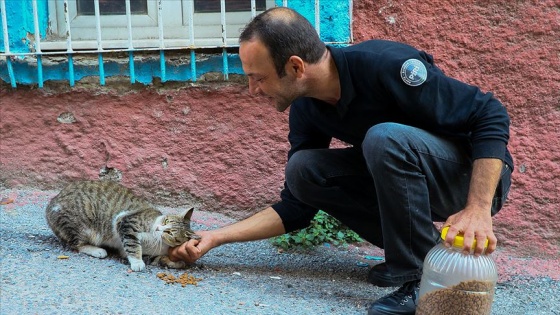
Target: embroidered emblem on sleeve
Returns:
[413, 72]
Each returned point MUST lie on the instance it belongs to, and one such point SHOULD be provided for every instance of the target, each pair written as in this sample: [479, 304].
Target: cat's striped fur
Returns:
[93, 215]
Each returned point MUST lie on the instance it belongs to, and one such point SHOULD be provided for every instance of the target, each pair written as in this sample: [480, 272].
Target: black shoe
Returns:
[381, 277]
[401, 302]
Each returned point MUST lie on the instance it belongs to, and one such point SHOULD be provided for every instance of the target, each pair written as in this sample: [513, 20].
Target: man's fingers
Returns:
[192, 250]
[174, 253]
[451, 233]
[468, 239]
[471, 228]
[193, 242]
[485, 242]
[492, 243]
[187, 251]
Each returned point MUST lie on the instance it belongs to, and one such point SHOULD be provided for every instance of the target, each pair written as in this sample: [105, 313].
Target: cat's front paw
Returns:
[136, 264]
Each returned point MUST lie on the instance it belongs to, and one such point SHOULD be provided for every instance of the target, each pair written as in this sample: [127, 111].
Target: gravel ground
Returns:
[247, 278]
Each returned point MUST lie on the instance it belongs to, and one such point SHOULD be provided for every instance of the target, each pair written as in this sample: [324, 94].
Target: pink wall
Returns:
[510, 48]
[215, 146]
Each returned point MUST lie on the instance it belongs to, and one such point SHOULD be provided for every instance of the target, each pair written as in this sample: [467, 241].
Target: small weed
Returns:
[323, 229]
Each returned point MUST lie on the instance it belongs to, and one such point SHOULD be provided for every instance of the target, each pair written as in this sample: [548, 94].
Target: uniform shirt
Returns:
[384, 81]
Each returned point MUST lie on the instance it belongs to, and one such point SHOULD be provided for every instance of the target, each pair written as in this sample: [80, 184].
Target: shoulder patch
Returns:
[413, 72]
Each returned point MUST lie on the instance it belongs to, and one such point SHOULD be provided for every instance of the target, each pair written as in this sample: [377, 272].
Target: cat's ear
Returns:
[188, 215]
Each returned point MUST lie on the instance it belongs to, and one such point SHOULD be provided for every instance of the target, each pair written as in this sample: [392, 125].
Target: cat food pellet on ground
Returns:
[5, 201]
[183, 279]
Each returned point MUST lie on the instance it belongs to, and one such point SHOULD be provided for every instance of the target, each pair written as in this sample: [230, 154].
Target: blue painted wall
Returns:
[19, 15]
[335, 19]
[335, 27]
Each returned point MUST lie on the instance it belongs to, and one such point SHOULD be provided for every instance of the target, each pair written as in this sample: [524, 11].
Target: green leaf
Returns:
[323, 228]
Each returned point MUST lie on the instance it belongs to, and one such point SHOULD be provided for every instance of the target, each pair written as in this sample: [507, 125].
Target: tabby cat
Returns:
[90, 215]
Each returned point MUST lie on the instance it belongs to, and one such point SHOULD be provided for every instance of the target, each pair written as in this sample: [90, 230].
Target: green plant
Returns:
[323, 229]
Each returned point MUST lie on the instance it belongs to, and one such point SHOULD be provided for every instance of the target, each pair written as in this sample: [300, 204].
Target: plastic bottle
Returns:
[456, 283]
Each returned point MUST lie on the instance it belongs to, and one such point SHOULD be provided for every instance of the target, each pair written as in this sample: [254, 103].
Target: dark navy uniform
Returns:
[389, 82]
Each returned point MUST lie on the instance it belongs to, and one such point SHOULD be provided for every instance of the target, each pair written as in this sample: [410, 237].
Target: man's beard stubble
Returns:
[284, 101]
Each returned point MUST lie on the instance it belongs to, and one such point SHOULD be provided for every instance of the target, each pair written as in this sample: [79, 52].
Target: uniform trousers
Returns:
[392, 189]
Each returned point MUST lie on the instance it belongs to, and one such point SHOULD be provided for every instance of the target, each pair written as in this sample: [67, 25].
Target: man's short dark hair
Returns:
[285, 33]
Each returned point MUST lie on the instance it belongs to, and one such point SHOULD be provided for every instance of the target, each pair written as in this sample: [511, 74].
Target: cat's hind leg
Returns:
[93, 251]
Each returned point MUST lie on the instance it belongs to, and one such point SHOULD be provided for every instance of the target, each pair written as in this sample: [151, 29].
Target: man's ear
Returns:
[296, 65]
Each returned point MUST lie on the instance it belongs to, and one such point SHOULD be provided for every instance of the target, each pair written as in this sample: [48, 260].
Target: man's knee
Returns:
[302, 172]
[299, 169]
[382, 137]
[387, 132]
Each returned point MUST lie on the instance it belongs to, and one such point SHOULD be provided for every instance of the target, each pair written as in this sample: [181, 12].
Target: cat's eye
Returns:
[165, 221]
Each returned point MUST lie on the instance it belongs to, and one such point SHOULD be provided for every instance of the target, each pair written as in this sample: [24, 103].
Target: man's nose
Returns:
[253, 88]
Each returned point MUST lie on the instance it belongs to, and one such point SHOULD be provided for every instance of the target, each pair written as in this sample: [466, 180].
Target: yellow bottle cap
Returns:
[459, 239]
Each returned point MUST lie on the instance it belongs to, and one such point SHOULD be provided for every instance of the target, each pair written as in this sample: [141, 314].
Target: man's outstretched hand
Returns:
[264, 224]
[193, 249]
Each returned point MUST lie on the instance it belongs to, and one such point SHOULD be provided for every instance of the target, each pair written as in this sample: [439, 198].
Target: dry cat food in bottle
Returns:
[456, 283]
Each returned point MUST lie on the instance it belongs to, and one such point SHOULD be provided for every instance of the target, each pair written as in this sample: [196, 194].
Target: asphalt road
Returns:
[42, 276]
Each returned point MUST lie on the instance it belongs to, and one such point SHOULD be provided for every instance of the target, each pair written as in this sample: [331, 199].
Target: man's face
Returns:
[263, 79]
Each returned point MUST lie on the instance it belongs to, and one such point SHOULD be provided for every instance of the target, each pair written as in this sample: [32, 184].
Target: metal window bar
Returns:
[7, 44]
[224, 38]
[38, 53]
[69, 50]
[99, 42]
[161, 42]
[318, 17]
[190, 9]
[38, 44]
[130, 45]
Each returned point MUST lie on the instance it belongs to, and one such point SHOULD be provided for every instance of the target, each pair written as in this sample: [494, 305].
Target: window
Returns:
[150, 24]
[87, 7]
[201, 6]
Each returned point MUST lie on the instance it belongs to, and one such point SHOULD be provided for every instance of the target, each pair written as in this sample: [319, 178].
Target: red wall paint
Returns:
[510, 48]
[217, 147]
